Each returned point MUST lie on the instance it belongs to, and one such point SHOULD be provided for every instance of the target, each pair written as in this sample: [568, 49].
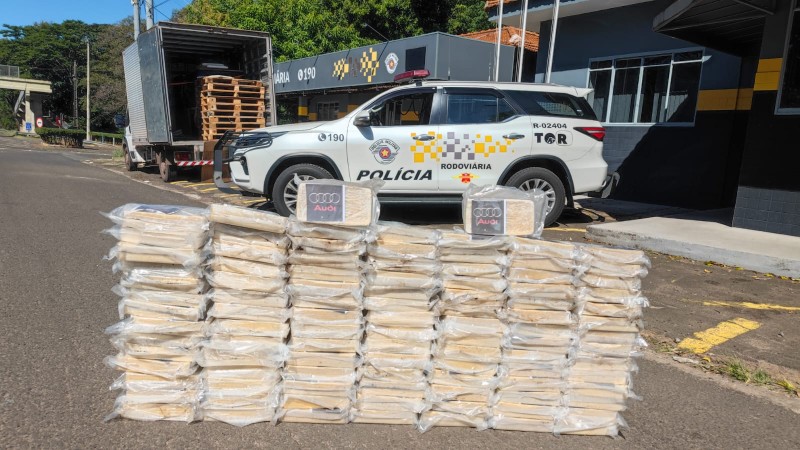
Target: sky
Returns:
[28, 12]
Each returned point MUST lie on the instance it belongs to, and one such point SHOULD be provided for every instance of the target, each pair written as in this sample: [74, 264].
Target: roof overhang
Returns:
[733, 26]
[542, 10]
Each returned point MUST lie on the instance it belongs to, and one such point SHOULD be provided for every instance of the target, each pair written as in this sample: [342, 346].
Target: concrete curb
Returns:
[760, 262]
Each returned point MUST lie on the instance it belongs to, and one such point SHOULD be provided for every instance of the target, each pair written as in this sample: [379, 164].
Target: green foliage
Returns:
[108, 76]
[302, 28]
[46, 51]
[7, 120]
[761, 377]
[738, 371]
[59, 136]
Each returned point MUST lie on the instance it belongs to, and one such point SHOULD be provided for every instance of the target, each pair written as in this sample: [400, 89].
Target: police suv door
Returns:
[399, 146]
[482, 134]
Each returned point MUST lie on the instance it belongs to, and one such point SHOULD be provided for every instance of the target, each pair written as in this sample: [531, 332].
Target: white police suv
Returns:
[428, 140]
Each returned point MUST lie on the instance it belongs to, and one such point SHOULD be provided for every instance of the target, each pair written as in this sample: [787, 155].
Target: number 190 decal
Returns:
[331, 137]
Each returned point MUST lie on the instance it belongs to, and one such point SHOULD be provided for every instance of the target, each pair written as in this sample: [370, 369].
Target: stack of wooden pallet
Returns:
[230, 104]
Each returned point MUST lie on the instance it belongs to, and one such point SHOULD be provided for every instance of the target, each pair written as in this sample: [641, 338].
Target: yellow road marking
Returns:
[250, 202]
[209, 189]
[750, 305]
[200, 184]
[704, 341]
[576, 230]
[179, 182]
[228, 195]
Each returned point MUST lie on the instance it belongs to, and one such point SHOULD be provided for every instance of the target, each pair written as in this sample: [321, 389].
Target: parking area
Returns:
[705, 314]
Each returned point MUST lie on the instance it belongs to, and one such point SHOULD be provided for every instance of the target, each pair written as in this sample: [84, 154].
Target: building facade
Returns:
[328, 86]
[698, 97]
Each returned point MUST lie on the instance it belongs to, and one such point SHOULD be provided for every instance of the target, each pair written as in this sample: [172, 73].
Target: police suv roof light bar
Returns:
[412, 75]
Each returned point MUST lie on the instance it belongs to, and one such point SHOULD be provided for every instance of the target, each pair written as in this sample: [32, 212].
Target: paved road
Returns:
[55, 301]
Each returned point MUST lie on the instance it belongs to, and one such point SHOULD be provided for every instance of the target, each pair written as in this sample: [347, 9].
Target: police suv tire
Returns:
[531, 174]
[287, 176]
[130, 166]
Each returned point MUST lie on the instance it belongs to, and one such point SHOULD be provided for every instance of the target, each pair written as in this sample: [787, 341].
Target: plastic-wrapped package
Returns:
[338, 202]
[180, 412]
[166, 278]
[501, 210]
[160, 218]
[247, 218]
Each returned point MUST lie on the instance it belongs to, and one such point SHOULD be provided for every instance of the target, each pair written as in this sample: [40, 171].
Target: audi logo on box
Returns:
[325, 202]
[487, 212]
[317, 198]
[488, 217]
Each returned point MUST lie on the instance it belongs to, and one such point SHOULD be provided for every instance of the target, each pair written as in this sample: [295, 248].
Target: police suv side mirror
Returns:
[362, 119]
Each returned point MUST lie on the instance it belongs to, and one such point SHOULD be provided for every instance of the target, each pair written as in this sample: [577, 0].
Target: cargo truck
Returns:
[162, 72]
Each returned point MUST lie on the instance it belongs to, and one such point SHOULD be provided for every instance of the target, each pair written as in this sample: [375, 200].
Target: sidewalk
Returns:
[702, 236]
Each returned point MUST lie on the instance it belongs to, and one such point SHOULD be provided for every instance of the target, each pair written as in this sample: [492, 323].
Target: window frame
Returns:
[477, 91]
[795, 8]
[435, 104]
[704, 57]
[327, 105]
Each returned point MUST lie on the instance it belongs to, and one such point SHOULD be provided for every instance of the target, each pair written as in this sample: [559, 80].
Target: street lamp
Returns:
[88, 91]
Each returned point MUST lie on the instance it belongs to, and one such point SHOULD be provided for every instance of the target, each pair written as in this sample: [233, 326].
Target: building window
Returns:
[789, 94]
[328, 111]
[646, 89]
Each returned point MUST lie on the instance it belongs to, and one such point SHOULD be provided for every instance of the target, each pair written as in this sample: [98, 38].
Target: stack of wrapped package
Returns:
[402, 284]
[467, 350]
[159, 253]
[540, 334]
[245, 346]
[609, 307]
[326, 283]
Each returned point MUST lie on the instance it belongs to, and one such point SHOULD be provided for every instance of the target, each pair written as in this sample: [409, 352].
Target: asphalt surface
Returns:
[56, 301]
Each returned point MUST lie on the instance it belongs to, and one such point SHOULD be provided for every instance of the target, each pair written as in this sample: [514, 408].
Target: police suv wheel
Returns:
[545, 180]
[284, 191]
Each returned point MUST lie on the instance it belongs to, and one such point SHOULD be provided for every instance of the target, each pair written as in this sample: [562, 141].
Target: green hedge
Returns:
[60, 136]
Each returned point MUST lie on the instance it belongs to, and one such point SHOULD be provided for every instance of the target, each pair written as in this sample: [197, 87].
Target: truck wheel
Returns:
[130, 166]
[545, 180]
[166, 169]
[284, 191]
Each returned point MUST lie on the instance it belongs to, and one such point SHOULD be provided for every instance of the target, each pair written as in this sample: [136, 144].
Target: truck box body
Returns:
[161, 72]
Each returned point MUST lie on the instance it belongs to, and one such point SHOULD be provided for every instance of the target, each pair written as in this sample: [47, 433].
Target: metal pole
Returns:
[524, 34]
[497, 46]
[552, 41]
[74, 91]
[88, 93]
[148, 11]
[136, 19]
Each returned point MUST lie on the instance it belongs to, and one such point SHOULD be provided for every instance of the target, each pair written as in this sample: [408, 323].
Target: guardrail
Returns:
[113, 138]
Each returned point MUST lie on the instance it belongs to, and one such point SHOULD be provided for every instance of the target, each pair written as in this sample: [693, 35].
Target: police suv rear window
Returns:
[552, 104]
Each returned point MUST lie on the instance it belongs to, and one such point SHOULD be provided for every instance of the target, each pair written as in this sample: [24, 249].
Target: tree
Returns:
[46, 51]
[302, 28]
[108, 76]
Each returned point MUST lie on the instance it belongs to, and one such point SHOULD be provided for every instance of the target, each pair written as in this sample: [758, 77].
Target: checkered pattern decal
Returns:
[340, 68]
[369, 64]
[461, 147]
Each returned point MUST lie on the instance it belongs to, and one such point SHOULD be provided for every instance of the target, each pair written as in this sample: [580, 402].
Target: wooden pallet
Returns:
[237, 104]
[244, 114]
[222, 79]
